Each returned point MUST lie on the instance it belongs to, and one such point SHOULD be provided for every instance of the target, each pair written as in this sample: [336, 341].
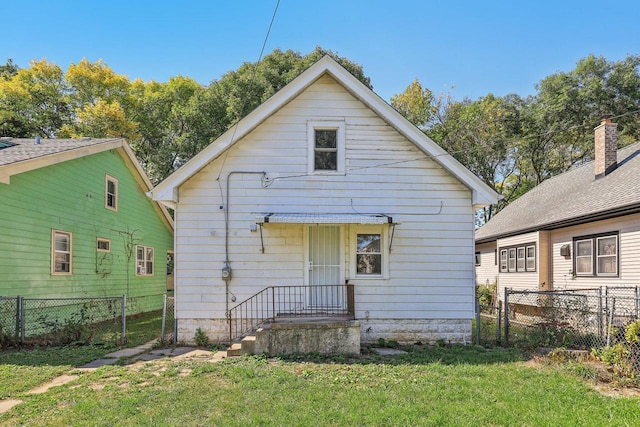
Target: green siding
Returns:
[70, 196]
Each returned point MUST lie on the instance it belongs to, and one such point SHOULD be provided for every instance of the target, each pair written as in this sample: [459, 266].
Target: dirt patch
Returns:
[61, 380]
[596, 374]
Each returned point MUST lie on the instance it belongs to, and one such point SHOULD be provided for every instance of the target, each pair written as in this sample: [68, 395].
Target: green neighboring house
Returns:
[75, 221]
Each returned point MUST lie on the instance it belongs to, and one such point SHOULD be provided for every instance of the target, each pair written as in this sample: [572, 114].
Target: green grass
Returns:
[452, 386]
[24, 369]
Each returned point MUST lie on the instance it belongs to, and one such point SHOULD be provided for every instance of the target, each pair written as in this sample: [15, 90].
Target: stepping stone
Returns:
[98, 363]
[388, 351]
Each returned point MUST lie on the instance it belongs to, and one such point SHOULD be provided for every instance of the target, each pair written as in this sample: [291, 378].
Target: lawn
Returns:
[428, 386]
[21, 370]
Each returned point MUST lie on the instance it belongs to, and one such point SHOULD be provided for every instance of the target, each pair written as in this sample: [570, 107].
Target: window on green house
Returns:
[61, 252]
[144, 260]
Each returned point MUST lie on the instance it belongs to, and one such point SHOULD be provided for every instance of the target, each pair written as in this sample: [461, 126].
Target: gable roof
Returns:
[166, 192]
[574, 197]
[18, 155]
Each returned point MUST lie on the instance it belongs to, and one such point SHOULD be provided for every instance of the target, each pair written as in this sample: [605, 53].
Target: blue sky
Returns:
[475, 47]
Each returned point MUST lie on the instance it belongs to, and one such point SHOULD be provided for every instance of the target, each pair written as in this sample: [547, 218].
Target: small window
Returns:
[326, 147]
[61, 253]
[103, 245]
[325, 157]
[144, 261]
[531, 258]
[584, 257]
[111, 193]
[495, 257]
[521, 259]
[478, 259]
[503, 260]
[607, 264]
[512, 259]
[369, 254]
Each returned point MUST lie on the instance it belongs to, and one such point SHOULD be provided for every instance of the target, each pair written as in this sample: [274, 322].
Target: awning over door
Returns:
[322, 218]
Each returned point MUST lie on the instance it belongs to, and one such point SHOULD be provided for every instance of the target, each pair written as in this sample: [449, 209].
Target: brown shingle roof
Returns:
[572, 197]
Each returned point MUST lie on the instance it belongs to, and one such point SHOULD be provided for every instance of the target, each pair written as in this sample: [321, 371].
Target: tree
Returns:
[33, 101]
[101, 102]
[416, 104]
[8, 70]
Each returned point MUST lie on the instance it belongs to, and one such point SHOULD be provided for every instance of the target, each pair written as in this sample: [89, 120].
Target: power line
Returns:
[250, 88]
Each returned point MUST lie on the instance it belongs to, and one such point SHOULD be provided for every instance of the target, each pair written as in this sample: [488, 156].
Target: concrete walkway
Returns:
[142, 353]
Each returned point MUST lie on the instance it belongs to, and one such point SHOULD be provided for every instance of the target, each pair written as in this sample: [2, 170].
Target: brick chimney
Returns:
[606, 147]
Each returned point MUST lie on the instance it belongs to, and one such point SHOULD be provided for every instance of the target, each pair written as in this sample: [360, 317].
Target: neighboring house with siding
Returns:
[324, 184]
[75, 221]
[580, 229]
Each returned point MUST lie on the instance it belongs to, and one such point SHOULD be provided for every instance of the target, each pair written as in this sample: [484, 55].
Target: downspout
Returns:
[226, 271]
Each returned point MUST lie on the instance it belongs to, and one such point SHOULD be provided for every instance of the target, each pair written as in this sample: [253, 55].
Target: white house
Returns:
[326, 184]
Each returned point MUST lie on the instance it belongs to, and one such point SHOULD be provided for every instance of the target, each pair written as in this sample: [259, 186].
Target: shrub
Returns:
[200, 338]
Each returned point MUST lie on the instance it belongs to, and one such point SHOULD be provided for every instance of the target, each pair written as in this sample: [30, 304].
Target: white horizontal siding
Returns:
[629, 229]
[431, 259]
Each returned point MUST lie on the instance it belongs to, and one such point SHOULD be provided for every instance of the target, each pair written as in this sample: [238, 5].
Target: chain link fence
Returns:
[61, 321]
[600, 320]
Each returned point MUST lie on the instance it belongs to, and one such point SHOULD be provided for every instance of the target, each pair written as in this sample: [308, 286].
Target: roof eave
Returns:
[568, 222]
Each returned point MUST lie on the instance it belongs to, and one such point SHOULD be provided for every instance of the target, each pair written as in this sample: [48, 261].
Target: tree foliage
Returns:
[165, 123]
[514, 143]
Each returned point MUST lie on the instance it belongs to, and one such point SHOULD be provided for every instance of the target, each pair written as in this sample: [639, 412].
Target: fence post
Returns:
[600, 322]
[636, 301]
[351, 303]
[22, 319]
[175, 325]
[18, 321]
[164, 316]
[499, 322]
[123, 339]
[506, 317]
[610, 320]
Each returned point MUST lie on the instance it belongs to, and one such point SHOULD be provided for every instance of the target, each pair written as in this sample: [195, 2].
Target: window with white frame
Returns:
[103, 245]
[61, 253]
[111, 193]
[512, 259]
[531, 258]
[596, 255]
[370, 254]
[503, 261]
[144, 260]
[518, 259]
[521, 259]
[326, 147]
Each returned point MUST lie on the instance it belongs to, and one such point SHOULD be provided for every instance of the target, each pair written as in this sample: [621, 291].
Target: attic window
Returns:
[326, 147]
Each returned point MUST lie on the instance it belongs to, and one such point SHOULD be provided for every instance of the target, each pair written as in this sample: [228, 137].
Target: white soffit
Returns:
[323, 218]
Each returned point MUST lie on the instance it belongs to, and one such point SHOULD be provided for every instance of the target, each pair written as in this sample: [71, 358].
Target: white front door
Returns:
[324, 265]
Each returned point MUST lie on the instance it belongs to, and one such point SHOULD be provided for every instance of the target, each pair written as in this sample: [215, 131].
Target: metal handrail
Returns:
[289, 302]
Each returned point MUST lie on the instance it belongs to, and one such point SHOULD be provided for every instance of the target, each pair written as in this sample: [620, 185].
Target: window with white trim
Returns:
[111, 193]
[518, 259]
[326, 141]
[103, 245]
[596, 255]
[512, 259]
[478, 259]
[144, 260]
[503, 261]
[61, 253]
[370, 253]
